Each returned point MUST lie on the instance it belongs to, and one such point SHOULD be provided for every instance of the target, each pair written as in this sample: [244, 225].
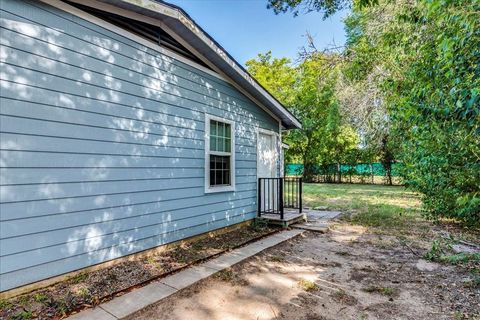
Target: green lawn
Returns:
[386, 207]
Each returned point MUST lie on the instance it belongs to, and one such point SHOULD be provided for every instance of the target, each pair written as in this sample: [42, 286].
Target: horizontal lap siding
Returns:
[102, 146]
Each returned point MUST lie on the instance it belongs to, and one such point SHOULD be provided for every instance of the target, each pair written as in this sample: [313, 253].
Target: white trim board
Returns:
[232, 186]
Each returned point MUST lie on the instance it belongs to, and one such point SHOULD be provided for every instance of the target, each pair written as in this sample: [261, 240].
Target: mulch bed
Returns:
[90, 289]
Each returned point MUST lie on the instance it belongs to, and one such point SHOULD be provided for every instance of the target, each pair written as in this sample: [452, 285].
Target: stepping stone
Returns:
[321, 227]
[225, 261]
[97, 314]
[137, 299]
[188, 277]
[424, 265]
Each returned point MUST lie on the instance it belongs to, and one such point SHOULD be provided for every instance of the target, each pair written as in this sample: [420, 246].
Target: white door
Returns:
[267, 168]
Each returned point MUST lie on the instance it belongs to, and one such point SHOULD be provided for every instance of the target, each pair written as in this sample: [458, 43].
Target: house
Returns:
[124, 127]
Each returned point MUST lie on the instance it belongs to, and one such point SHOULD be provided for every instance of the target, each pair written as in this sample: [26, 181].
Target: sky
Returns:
[246, 27]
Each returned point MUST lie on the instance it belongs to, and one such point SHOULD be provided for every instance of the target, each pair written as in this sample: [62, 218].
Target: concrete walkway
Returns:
[138, 299]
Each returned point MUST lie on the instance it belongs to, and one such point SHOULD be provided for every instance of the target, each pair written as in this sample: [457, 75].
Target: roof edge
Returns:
[237, 73]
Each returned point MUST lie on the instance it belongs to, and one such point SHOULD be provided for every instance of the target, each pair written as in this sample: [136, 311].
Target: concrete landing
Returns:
[317, 220]
[138, 299]
[289, 218]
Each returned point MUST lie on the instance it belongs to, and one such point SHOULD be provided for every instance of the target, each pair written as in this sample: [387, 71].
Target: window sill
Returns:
[220, 189]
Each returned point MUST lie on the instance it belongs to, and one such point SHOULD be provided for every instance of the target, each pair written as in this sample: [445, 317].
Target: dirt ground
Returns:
[346, 273]
[89, 289]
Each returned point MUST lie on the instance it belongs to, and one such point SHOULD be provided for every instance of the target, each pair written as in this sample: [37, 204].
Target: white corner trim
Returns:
[120, 31]
[232, 186]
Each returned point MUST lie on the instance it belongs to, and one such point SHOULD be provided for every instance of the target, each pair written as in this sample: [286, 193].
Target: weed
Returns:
[24, 315]
[460, 258]
[5, 304]
[23, 299]
[153, 262]
[307, 285]
[459, 315]
[40, 297]
[435, 251]
[343, 297]
[83, 292]
[475, 281]
[226, 275]
[82, 276]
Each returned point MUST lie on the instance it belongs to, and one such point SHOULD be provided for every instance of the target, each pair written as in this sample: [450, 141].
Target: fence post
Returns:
[259, 204]
[339, 172]
[281, 198]
[371, 172]
[300, 194]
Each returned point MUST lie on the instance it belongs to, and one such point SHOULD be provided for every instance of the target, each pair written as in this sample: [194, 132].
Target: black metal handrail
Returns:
[276, 194]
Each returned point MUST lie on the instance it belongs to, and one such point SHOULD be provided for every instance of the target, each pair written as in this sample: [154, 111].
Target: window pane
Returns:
[227, 177]
[218, 178]
[213, 128]
[219, 170]
[221, 129]
[228, 130]
[220, 144]
[227, 145]
[213, 143]
[212, 177]
[213, 164]
[220, 136]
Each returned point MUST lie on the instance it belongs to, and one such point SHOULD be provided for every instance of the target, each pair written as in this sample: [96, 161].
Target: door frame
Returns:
[276, 143]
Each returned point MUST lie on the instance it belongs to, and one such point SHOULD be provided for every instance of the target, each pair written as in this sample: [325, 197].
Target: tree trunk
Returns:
[339, 172]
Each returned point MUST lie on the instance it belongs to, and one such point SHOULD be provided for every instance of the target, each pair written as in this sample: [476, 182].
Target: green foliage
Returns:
[309, 91]
[40, 297]
[328, 7]
[435, 252]
[428, 53]
[407, 88]
[5, 304]
[23, 315]
[461, 258]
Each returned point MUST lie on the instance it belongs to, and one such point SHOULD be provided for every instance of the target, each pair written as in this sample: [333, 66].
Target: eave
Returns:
[173, 19]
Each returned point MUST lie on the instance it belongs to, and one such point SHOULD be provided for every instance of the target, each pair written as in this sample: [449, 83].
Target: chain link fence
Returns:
[362, 173]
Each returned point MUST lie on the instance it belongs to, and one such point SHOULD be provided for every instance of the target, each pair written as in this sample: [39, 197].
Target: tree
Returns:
[277, 75]
[419, 63]
[328, 7]
[308, 90]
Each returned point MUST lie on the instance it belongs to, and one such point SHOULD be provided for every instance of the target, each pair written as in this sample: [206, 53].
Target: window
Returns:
[219, 154]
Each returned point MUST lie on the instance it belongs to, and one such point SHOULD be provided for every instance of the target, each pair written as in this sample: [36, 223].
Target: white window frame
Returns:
[208, 187]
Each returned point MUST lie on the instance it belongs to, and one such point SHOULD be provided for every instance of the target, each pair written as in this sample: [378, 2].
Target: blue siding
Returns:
[102, 146]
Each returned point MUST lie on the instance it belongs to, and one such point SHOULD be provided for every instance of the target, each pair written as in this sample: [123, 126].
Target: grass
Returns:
[80, 277]
[40, 297]
[4, 304]
[389, 208]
